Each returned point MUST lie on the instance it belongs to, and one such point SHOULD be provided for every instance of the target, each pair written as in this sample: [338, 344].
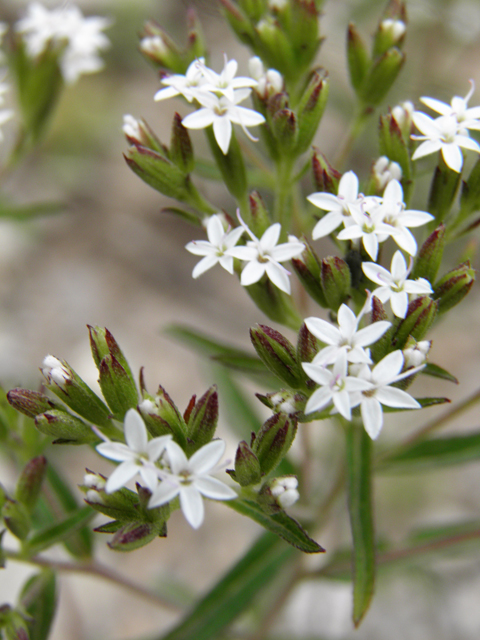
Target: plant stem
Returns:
[282, 208]
[355, 130]
[97, 570]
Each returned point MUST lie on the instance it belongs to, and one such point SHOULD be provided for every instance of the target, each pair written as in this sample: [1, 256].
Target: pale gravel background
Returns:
[113, 260]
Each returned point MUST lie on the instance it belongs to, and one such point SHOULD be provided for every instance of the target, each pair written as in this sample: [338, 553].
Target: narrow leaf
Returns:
[423, 402]
[235, 591]
[360, 506]
[58, 532]
[280, 524]
[437, 372]
[39, 599]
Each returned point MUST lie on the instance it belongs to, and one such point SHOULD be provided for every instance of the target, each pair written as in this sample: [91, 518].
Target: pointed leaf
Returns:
[58, 532]
[435, 371]
[39, 599]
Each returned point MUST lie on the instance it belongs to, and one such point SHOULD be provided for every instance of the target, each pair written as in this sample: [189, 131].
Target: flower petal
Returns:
[207, 457]
[192, 505]
[372, 416]
[135, 431]
[214, 489]
[121, 475]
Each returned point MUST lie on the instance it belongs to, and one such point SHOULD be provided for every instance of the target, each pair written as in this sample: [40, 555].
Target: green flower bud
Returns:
[38, 600]
[420, 316]
[307, 345]
[283, 401]
[102, 343]
[303, 32]
[274, 440]
[196, 39]
[310, 109]
[383, 346]
[30, 403]
[308, 271]
[358, 58]
[470, 196]
[202, 420]
[260, 220]
[157, 46]
[254, 9]
[138, 133]
[247, 466]
[117, 387]
[277, 353]
[65, 427]
[443, 190]
[381, 76]
[430, 256]
[16, 518]
[122, 505]
[454, 286]
[396, 147]
[30, 481]
[72, 390]
[231, 165]
[181, 150]
[391, 29]
[285, 130]
[325, 176]
[135, 535]
[13, 623]
[239, 22]
[278, 493]
[336, 281]
[162, 417]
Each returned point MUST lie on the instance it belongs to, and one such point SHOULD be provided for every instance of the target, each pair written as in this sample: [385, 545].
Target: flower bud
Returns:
[158, 47]
[277, 353]
[239, 22]
[395, 146]
[278, 494]
[16, 518]
[420, 316]
[277, 48]
[117, 386]
[247, 466]
[29, 484]
[13, 623]
[274, 440]
[181, 150]
[308, 271]
[358, 58]
[310, 109]
[307, 345]
[270, 81]
[122, 505]
[390, 33]
[381, 76]
[72, 390]
[30, 403]
[325, 176]
[285, 130]
[283, 401]
[415, 353]
[260, 220]
[138, 132]
[430, 256]
[403, 116]
[254, 9]
[162, 417]
[443, 190]
[384, 345]
[196, 39]
[383, 171]
[65, 427]
[202, 420]
[102, 343]
[454, 286]
[336, 281]
[134, 535]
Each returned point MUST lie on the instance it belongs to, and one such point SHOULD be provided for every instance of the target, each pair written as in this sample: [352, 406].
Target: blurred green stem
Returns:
[354, 132]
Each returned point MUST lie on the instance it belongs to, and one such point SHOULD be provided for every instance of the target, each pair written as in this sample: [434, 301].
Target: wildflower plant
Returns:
[352, 360]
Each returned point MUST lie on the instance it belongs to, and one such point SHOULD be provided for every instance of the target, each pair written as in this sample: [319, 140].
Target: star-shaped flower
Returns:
[265, 255]
[346, 338]
[186, 85]
[216, 248]
[138, 455]
[394, 285]
[467, 118]
[190, 479]
[370, 227]
[225, 83]
[221, 113]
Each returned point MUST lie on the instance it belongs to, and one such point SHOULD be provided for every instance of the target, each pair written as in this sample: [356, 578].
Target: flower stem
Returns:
[283, 198]
[99, 571]
[354, 132]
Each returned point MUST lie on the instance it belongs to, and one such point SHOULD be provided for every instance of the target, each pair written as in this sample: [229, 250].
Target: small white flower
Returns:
[138, 455]
[442, 134]
[339, 207]
[284, 489]
[384, 170]
[346, 338]
[269, 81]
[416, 355]
[55, 371]
[216, 248]
[185, 85]
[190, 479]
[467, 118]
[221, 113]
[335, 386]
[265, 255]
[394, 284]
[370, 227]
[383, 374]
[79, 38]
[225, 83]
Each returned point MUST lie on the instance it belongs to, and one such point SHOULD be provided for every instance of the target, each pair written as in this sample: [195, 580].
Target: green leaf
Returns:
[109, 527]
[431, 454]
[423, 402]
[360, 505]
[235, 591]
[39, 599]
[58, 532]
[280, 524]
[29, 211]
[437, 372]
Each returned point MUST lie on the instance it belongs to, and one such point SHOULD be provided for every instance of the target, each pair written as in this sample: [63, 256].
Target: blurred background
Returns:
[112, 258]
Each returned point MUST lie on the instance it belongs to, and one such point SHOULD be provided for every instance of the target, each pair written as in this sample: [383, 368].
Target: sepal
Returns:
[29, 484]
[30, 403]
[420, 316]
[454, 286]
[274, 440]
[16, 518]
[65, 427]
[247, 466]
[310, 109]
[430, 256]
[336, 281]
[309, 272]
[202, 420]
[277, 353]
[181, 150]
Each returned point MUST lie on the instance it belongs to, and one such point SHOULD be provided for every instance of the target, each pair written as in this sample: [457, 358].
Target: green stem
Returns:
[354, 132]
[282, 211]
[97, 570]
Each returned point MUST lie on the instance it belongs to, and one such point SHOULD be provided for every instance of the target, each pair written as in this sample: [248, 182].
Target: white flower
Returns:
[138, 455]
[468, 118]
[383, 374]
[265, 255]
[335, 386]
[221, 113]
[190, 479]
[442, 134]
[185, 85]
[216, 248]
[347, 338]
[55, 371]
[284, 489]
[384, 170]
[269, 81]
[339, 207]
[370, 227]
[416, 355]
[225, 83]
[394, 284]
[79, 38]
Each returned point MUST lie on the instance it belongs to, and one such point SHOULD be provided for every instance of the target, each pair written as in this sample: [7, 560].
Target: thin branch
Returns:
[99, 571]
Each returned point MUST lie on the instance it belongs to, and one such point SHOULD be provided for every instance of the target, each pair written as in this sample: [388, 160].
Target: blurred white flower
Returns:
[385, 170]
[185, 85]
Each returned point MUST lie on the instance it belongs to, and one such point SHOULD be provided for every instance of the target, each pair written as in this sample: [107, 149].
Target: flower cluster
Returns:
[78, 38]
[165, 469]
[260, 256]
[370, 218]
[218, 95]
[346, 375]
[448, 132]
